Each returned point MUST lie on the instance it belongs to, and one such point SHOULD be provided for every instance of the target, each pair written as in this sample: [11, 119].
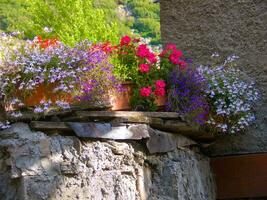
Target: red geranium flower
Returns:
[125, 40]
[160, 92]
[142, 51]
[160, 84]
[171, 47]
[144, 68]
[145, 91]
[175, 56]
[152, 58]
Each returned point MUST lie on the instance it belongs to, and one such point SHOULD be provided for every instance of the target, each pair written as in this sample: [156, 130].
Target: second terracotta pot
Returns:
[120, 101]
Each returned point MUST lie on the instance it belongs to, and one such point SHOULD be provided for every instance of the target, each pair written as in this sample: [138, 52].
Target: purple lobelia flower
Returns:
[186, 95]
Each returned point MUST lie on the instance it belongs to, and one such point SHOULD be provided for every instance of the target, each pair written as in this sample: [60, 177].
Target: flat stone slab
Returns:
[96, 130]
[157, 141]
[109, 131]
[123, 131]
[123, 116]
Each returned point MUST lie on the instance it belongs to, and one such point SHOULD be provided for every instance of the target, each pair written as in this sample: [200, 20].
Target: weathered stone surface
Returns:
[34, 166]
[202, 27]
[182, 175]
[160, 142]
[109, 131]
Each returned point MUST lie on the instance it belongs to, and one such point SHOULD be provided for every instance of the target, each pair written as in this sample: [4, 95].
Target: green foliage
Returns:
[71, 20]
[12, 12]
[75, 20]
[148, 27]
[110, 8]
[123, 72]
[145, 19]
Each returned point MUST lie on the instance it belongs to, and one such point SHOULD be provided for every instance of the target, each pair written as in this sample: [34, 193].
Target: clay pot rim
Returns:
[127, 83]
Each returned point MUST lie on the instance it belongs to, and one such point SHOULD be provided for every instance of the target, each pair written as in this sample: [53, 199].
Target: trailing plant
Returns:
[231, 96]
[186, 94]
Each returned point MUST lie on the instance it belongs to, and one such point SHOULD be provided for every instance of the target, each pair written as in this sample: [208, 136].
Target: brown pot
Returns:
[121, 100]
[43, 92]
[160, 102]
[2, 111]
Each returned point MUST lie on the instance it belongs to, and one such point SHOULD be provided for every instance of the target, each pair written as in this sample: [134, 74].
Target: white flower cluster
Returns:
[231, 97]
[62, 104]
[43, 106]
[4, 125]
[16, 114]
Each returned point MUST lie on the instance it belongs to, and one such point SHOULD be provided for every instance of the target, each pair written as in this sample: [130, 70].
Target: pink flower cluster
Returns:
[159, 91]
[125, 40]
[160, 88]
[145, 91]
[144, 52]
[144, 68]
[174, 55]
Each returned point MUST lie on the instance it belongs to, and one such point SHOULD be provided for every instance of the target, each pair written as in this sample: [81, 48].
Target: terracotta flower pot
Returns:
[43, 92]
[121, 100]
[160, 102]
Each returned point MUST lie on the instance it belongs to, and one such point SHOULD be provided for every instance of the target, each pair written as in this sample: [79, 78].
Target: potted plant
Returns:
[218, 96]
[137, 67]
[46, 73]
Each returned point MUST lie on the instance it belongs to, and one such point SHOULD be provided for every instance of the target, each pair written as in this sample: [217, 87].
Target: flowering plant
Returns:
[186, 95]
[218, 96]
[231, 96]
[134, 61]
[171, 57]
[137, 62]
[70, 74]
[132, 57]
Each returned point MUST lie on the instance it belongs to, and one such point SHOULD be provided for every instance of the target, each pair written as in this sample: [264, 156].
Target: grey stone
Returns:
[160, 142]
[202, 27]
[65, 167]
[108, 131]
[181, 174]
[45, 147]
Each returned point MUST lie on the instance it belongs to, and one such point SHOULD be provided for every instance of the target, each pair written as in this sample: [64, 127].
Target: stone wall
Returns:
[202, 27]
[35, 166]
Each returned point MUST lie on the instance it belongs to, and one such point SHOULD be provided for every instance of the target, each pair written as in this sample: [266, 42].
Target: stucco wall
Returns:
[201, 27]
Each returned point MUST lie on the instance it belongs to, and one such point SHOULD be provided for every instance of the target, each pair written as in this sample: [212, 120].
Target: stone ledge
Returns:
[69, 121]
[157, 141]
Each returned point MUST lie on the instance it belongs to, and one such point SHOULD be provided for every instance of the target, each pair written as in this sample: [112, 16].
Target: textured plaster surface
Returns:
[202, 27]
